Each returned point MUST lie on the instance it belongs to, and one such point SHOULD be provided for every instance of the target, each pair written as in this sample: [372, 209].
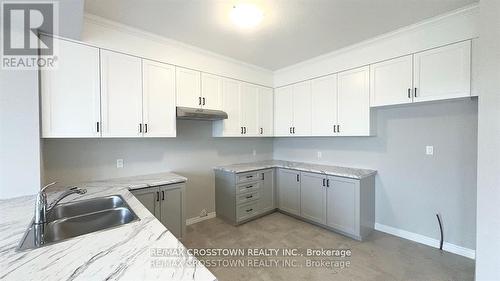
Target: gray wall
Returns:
[488, 184]
[192, 154]
[411, 186]
[19, 133]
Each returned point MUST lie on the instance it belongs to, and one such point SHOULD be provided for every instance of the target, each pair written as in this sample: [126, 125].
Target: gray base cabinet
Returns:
[242, 197]
[289, 191]
[340, 204]
[313, 197]
[167, 204]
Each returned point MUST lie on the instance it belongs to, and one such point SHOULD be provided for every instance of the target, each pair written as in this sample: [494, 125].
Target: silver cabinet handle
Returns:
[261, 131]
[140, 127]
[415, 92]
[199, 100]
[328, 183]
[249, 210]
[409, 93]
[334, 128]
[146, 128]
[249, 196]
[163, 195]
[203, 100]
[98, 127]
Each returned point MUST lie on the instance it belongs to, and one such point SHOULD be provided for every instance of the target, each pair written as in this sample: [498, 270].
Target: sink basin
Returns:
[79, 208]
[78, 218]
[75, 226]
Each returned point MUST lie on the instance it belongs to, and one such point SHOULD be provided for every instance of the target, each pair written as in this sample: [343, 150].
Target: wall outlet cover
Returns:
[203, 213]
[429, 150]
[119, 163]
[254, 152]
[320, 154]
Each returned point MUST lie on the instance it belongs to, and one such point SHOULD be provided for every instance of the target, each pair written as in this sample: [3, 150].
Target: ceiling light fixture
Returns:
[246, 15]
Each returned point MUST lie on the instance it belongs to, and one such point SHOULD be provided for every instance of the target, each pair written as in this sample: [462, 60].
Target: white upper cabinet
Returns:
[159, 113]
[249, 101]
[354, 102]
[266, 102]
[121, 95]
[211, 91]
[283, 111]
[443, 73]
[229, 127]
[324, 106]
[391, 82]
[188, 87]
[70, 94]
[302, 109]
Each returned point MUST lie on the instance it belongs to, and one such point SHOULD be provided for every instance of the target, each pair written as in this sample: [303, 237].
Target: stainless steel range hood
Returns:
[200, 114]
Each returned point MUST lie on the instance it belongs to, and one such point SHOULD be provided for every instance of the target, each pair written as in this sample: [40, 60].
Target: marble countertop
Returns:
[346, 172]
[134, 251]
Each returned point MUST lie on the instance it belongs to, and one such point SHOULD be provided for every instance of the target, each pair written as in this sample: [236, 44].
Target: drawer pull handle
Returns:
[249, 196]
[249, 177]
[250, 186]
[249, 210]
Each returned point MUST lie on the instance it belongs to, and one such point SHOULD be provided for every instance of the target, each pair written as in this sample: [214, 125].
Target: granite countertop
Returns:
[346, 172]
[134, 251]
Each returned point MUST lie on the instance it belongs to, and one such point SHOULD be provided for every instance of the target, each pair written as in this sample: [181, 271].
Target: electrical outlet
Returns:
[429, 150]
[254, 152]
[203, 213]
[320, 154]
[119, 163]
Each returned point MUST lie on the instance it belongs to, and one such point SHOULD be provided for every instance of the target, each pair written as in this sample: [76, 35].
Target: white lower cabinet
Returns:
[167, 204]
[313, 197]
[289, 191]
[240, 197]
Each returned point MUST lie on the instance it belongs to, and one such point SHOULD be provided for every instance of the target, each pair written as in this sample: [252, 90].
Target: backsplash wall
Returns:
[192, 154]
[411, 187]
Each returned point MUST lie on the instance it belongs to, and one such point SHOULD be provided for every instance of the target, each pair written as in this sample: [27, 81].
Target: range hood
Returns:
[190, 113]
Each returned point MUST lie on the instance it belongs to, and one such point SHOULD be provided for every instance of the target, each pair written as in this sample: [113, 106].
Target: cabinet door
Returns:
[121, 89]
[289, 191]
[249, 109]
[150, 198]
[391, 82]
[313, 197]
[266, 102]
[231, 105]
[70, 93]
[171, 210]
[283, 111]
[324, 105]
[188, 86]
[211, 91]
[302, 109]
[342, 204]
[267, 198]
[354, 102]
[159, 114]
[443, 73]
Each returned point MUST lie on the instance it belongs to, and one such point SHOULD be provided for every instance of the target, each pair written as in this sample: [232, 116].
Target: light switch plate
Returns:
[320, 154]
[119, 163]
[429, 150]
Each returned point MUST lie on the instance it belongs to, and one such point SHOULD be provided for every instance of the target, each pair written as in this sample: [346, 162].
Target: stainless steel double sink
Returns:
[77, 218]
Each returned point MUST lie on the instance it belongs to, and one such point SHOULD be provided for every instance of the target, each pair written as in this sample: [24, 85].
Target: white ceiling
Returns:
[291, 31]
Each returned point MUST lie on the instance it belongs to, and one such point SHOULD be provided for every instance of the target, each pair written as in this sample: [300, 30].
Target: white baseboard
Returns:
[452, 248]
[198, 219]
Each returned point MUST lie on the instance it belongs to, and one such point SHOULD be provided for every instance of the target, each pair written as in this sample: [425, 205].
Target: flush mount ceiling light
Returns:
[246, 15]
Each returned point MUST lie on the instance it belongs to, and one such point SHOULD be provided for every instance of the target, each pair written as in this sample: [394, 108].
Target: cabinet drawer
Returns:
[247, 197]
[249, 187]
[247, 177]
[247, 211]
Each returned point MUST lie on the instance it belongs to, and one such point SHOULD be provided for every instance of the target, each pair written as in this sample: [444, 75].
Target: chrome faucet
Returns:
[41, 208]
